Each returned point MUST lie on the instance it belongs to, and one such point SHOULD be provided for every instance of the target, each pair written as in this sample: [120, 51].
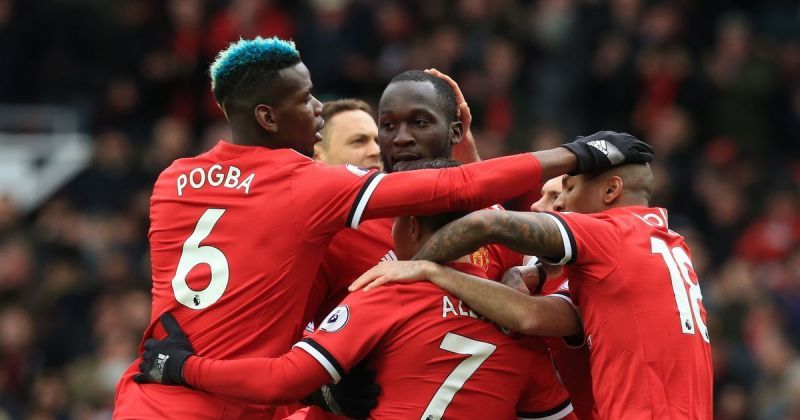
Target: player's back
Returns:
[434, 357]
[643, 315]
[229, 240]
[442, 360]
[350, 253]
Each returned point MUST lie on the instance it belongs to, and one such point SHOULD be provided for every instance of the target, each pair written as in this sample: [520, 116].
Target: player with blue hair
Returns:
[251, 78]
[237, 233]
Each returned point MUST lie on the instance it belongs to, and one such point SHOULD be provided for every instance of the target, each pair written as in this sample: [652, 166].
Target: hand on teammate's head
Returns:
[605, 149]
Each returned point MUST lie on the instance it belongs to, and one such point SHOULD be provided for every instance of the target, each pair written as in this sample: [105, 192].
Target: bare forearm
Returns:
[500, 303]
[533, 315]
[458, 238]
[555, 162]
[527, 233]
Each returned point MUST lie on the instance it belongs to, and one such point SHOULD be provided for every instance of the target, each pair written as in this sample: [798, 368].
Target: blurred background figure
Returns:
[97, 98]
[350, 135]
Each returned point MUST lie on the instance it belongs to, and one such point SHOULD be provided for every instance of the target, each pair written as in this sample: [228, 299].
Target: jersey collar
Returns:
[226, 150]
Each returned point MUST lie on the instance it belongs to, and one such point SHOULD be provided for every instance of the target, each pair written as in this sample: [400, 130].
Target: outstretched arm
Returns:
[260, 380]
[171, 361]
[482, 184]
[468, 187]
[527, 233]
[533, 315]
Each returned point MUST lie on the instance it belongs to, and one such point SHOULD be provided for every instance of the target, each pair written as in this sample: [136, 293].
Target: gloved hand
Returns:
[606, 149]
[162, 360]
[354, 396]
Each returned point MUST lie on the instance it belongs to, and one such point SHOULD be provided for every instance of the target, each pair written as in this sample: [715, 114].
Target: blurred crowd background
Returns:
[713, 85]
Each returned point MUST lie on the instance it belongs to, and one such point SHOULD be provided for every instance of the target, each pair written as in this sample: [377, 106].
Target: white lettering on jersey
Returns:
[448, 307]
[463, 310]
[215, 176]
[468, 312]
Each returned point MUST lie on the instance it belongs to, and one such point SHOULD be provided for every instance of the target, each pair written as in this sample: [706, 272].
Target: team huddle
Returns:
[300, 288]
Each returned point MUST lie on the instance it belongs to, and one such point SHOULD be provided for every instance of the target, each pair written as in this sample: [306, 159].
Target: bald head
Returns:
[625, 185]
[637, 179]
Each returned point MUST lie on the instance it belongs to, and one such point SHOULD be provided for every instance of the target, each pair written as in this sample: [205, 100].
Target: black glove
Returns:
[354, 396]
[606, 149]
[162, 360]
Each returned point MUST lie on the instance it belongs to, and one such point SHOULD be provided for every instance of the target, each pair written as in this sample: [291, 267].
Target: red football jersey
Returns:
[349, 255]
[571, 360]
[433, 355]
[237, 235]
[544, 396]
[496, 259]
[642, 312]
[353, 252]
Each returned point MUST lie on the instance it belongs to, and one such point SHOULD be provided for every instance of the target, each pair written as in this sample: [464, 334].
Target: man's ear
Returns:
[414, 228]
[613, 189]
[455, 132]
[319, 152]
[224, 112]
[265, 116]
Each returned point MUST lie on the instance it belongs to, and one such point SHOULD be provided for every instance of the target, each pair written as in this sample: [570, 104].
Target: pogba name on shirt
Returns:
[216, 175]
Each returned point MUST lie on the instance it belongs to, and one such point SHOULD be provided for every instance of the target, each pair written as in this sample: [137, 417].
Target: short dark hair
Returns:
[248, 62]
[436, 221]
[444, 93]
[331, 108]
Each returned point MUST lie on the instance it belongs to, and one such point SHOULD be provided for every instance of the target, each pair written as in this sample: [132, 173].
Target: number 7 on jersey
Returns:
[477, 352]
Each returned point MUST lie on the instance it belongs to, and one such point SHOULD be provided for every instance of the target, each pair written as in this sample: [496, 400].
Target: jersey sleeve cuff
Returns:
[360, 203]
[554, 413]
[570, 247]
[324, 358]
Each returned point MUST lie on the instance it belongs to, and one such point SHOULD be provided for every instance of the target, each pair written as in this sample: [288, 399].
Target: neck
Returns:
[631, 200]
[246, 135]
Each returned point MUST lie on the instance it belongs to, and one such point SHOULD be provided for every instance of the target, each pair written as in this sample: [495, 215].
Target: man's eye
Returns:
[387, 126]
[421, 123]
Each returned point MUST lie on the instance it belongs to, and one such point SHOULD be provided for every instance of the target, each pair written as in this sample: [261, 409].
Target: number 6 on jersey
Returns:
[194, 254]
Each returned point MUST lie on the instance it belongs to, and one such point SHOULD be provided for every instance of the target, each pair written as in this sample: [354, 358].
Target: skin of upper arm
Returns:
[532, 315]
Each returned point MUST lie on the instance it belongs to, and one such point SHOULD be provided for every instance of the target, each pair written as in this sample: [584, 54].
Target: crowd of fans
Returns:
[713, 85]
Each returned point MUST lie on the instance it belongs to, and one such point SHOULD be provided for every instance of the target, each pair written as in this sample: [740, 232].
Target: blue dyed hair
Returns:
[249, 61]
